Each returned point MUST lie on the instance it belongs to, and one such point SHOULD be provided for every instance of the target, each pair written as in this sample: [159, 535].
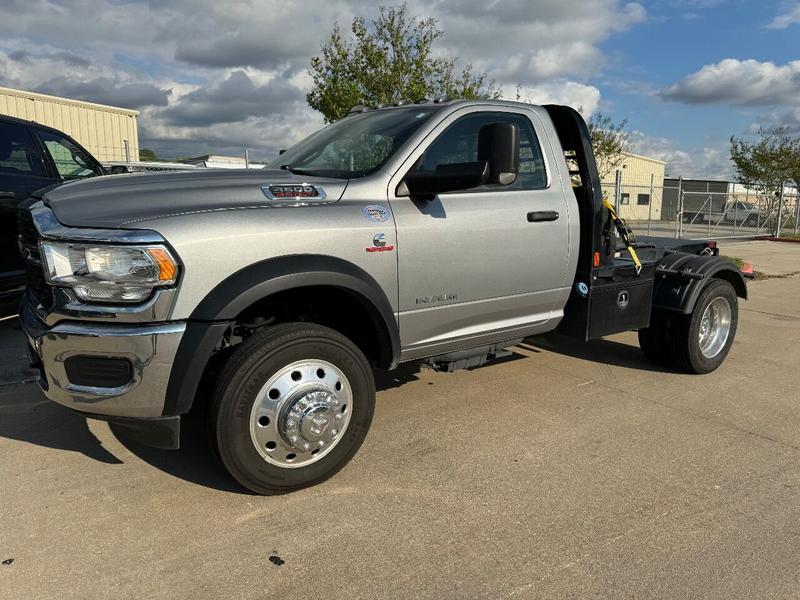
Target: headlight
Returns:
[112, 274]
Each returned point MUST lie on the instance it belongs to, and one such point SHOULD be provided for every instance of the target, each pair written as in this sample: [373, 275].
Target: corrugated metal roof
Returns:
[80, 103]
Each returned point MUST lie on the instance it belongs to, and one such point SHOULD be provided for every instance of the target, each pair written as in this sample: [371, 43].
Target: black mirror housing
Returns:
[498, 144]
[446, 178]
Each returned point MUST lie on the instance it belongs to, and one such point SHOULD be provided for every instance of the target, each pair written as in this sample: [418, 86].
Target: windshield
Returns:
[355, 146]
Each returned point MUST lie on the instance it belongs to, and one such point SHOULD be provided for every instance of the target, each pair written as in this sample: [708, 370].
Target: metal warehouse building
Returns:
[108, 132]
[641, 180]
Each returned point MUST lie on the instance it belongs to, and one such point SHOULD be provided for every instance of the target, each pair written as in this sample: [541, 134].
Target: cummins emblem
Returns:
[379, 244]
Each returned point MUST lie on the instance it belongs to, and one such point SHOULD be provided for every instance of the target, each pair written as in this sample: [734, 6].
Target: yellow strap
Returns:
[621, 228]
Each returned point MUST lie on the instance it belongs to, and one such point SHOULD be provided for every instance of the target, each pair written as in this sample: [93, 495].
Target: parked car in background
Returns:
[121, 167]
[32, 156]
[743, 213]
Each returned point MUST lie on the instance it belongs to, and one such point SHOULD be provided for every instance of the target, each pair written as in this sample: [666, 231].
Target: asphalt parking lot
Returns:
[568, 470]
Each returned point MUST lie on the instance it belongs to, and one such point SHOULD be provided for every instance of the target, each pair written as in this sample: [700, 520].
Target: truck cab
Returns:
[437, 232]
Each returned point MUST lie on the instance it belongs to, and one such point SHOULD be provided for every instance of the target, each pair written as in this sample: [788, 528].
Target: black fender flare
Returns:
[215, 313]
[676, 293]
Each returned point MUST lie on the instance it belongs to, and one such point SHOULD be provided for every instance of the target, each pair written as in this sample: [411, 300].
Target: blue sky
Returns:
[212, 76]
[679, 39]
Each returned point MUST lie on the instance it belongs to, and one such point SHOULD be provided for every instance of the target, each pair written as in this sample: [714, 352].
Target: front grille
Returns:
[39, 289]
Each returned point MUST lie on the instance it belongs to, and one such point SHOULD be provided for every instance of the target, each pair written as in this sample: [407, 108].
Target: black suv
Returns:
[32, 156]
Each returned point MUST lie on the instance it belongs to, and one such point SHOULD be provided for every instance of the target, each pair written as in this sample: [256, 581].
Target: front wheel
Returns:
[700, 341]
[292, 406]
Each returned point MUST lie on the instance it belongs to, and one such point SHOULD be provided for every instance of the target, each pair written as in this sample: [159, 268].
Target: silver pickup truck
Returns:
[442, 232]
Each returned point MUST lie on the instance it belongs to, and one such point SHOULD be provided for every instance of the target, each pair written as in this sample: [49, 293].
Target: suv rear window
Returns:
[19, 154]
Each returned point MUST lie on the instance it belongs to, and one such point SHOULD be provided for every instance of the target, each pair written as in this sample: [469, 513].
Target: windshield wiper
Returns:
[294, 171]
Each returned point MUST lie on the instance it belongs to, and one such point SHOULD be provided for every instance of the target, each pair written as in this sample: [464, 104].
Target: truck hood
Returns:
[124, 201]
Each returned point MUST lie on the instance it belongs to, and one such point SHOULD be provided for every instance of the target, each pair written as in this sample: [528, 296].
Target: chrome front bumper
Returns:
[150, 349]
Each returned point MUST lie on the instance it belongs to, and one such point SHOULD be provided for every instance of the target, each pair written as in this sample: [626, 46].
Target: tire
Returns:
[691, 353]
[287, 382]
[654, 340]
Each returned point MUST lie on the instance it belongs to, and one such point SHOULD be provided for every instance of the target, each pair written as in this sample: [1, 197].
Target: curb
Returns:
[769, 238]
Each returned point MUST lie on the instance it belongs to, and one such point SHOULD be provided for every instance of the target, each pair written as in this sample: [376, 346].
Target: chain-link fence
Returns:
[691, 209]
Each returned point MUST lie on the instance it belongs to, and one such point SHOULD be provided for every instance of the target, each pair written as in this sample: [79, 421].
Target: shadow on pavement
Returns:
[405, 373]
[192, 462]
[600, 351]
[27, 416]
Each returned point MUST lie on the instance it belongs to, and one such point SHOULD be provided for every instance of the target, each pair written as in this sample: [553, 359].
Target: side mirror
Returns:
[446, 178]
[498, 144]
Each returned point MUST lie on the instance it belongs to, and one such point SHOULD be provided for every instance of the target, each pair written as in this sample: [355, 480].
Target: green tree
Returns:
[147, 155]
[390, 60]
[610, 142]
[767, 163]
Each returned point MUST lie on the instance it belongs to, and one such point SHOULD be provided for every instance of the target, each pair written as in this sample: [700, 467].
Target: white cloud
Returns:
[739, 82]
[786, 19]
[707, 162]
[209, 75]
[519, 41]
[582, 97]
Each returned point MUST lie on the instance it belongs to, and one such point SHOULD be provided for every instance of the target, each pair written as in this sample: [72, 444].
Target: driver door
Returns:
[479, 263]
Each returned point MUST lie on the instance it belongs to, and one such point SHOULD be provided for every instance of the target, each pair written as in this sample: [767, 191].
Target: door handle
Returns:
[539, 216]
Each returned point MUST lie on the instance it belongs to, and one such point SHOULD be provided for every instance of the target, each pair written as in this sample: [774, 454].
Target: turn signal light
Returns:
[167, 269]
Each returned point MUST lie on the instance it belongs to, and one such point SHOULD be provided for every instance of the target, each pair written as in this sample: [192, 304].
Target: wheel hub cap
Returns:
[310, 420]
[715, 327]
[301, 413]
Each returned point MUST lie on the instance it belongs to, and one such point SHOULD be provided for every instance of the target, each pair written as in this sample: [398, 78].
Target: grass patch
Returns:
[735, 260]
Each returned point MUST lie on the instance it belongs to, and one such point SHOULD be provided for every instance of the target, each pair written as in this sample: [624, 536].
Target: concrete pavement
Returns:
[568, 470]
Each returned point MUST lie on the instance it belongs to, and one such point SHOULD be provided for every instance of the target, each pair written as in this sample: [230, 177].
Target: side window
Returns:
[19, 154]
[459, 143]
[71, 162]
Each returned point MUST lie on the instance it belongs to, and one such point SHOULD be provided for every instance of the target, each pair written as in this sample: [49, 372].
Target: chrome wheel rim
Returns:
[301, 413]
[715, 327]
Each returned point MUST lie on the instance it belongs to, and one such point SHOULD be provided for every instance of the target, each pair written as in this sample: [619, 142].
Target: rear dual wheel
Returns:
[292, 406]
[700, 341]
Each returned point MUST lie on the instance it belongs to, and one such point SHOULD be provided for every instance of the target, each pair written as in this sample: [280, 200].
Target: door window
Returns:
[70, 160]
[459, 143]
[18, 152]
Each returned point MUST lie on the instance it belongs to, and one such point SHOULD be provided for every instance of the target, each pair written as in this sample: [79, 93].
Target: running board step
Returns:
[469, 359]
